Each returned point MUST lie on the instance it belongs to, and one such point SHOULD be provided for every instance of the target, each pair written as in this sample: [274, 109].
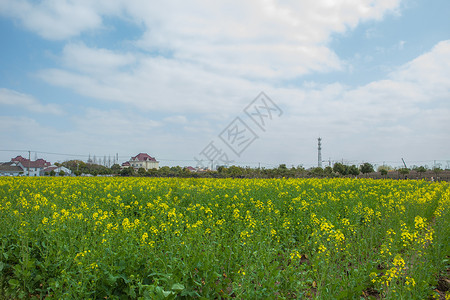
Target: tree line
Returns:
[338, 170]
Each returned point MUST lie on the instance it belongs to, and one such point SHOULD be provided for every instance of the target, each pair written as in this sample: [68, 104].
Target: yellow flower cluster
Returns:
[332, 222]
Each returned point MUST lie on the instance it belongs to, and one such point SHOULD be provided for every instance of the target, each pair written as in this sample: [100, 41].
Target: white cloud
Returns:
[261, 39]
[256, 39]
[401, 115]
[430, 71]
[97, 132]
[114, 123]
[53, 19]
[201, 62]
[176, 119]
[398, 107]
[203, 54]
[158, 84]
[27, 102]
[25, 132]
[91, 60]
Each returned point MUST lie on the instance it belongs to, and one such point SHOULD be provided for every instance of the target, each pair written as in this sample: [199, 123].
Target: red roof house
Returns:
[31, 167]
[142, 157]
[142, 160]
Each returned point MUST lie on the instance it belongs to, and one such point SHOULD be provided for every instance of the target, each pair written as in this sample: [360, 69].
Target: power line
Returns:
[235, 162]
[13, 150]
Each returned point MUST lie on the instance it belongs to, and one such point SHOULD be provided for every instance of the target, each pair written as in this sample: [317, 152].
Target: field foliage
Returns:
[159, 238]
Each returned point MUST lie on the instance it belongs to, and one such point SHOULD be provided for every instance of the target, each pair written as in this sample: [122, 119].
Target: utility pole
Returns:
[319, 148]
[29, 160]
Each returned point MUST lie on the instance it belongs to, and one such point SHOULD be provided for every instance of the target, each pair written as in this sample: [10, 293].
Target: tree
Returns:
[152, 172]
[185, 173]
[340, 168]
[328, 170]
[175, 171]
[353, 170]
[404, 171]
[384, 167]
[281, 171]
[366, 168]
[317, 171]
[383, 172]
[127, 172]
[52, 173]
[235, 171]
[61, 173]
[421, 169]
[115, 168]
[141, 172]
[222, 170]
[164, 171]
[437, 170]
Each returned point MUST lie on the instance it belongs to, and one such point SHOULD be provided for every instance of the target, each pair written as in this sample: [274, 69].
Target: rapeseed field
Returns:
[167, 238]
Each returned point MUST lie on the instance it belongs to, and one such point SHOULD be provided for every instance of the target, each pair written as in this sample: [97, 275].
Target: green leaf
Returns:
[13, 283]
[177, 287]
[167, 293]
[162, 293]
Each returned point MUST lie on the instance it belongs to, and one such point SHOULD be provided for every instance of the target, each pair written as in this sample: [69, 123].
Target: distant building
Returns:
[142, 160]
[57, 170]
[11, 169]
[30, 167]
[191, 169]
[125, 165]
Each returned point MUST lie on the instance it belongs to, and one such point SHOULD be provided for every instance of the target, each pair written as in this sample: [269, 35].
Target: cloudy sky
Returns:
[371, 77]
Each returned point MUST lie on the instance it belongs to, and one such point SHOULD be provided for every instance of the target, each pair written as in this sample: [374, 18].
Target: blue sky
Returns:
[372, 78]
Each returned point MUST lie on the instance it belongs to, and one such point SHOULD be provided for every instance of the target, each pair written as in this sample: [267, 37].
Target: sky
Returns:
[251, 83]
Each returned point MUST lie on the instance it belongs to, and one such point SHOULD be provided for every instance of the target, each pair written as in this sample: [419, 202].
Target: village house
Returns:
[20, 166]
[142, 160]
[11, 169]
[47, 171]
[31, 167]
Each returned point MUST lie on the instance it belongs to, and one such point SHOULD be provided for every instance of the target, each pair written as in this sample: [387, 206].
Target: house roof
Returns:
[10, 167]
[57, 169]
[126, 164]
[39, 163]
[49, 169]
[143, 157]
[18, 158]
